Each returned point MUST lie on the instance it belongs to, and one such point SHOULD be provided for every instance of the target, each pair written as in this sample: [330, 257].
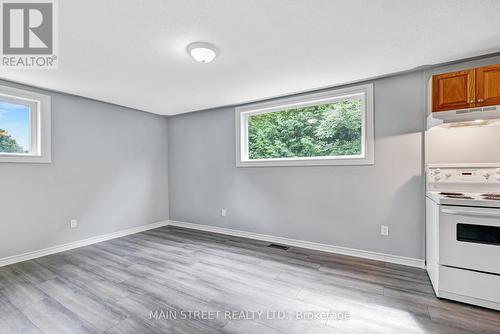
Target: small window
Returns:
[328, 128]
[24, 126]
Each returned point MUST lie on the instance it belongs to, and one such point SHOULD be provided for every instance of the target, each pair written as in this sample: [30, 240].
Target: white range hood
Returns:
[480, 116]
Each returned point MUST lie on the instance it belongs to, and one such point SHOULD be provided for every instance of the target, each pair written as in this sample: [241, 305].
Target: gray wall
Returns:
[337, 205]
[108, 171]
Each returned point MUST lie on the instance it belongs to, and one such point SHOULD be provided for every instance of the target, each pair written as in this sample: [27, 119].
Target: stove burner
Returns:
[493, 198]
[491, 195]
[451, 194]
[459, 196]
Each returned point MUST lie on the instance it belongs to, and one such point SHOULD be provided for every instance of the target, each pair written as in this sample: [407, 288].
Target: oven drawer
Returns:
[470, 238]
[470, 284]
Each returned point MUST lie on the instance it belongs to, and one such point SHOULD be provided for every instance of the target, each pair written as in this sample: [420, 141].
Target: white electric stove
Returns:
[463, 232]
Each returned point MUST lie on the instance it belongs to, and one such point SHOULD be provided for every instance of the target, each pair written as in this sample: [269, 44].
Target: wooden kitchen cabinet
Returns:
[455, 90]
[488, 85]
[478, 87]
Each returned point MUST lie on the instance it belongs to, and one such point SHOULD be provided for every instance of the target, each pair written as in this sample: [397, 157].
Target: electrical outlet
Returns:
[223, 212]
[73, 223]
[384, 230]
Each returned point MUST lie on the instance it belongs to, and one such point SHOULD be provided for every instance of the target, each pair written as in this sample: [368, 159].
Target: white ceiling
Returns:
[133, 52]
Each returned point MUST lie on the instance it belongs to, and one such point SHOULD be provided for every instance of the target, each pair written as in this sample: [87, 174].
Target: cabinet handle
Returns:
[471, 101]
[480, 100]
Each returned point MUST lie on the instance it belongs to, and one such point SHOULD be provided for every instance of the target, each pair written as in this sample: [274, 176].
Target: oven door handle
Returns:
[471, 213]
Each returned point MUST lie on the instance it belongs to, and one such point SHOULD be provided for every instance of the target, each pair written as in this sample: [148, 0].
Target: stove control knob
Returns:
[486, 175]
[448, 175]
[498, 170]
[437, 171]
[437, 178]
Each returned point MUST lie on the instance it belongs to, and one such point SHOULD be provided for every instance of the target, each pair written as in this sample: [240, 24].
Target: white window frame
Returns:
[367, 157]
[40, 125]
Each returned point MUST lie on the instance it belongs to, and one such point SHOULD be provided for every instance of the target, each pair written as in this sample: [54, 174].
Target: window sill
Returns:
[21, 158]
[361, 161]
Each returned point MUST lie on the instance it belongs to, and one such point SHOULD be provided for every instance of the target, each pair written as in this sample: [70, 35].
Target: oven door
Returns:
[470, 238]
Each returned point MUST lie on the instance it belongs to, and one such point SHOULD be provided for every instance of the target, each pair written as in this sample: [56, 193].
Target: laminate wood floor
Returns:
[172, 280]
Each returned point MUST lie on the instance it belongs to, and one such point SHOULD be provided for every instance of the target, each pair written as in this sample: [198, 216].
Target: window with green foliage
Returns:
[335, 127]
[332, 129]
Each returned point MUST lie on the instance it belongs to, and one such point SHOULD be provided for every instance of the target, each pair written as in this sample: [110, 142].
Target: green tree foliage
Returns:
[324, 130]
[9, 144]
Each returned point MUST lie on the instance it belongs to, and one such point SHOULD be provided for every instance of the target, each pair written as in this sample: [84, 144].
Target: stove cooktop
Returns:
[465, 198]
[492, 197]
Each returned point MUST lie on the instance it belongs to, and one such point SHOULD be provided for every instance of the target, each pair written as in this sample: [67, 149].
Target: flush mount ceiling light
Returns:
[202, 52]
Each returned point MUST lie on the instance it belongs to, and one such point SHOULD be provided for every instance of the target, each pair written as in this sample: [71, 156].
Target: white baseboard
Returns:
[237, 233]
[407, 261]
[80, 243]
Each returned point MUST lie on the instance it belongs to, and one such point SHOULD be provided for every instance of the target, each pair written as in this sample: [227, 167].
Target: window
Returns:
[24, 126]
[327, 128]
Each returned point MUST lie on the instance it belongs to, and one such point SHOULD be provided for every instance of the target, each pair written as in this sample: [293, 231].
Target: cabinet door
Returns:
[453, 90]
[488, 85]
